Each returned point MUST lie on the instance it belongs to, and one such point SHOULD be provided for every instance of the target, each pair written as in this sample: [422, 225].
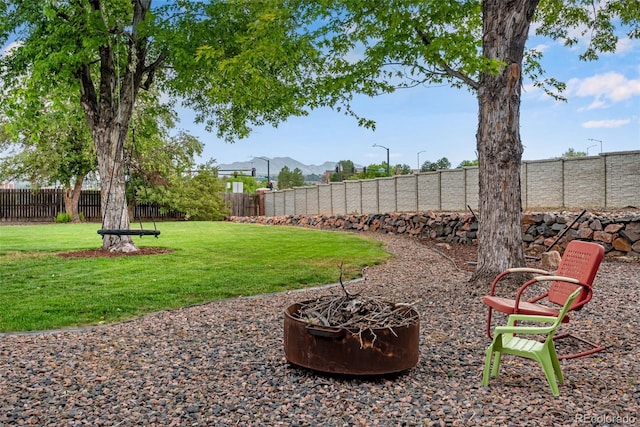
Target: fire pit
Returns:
[387, 345]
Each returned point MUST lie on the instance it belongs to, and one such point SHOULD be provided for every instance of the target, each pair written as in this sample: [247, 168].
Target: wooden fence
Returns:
[242, 204]
[45, 205]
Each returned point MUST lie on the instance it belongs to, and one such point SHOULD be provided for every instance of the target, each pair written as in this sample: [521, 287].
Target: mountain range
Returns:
[275, 165]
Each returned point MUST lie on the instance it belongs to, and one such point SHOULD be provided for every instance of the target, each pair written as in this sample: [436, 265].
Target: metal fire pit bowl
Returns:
[339, 351]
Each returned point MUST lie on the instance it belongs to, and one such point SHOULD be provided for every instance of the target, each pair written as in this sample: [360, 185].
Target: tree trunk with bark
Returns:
[111, 167]
[505, 30]
[72, 198]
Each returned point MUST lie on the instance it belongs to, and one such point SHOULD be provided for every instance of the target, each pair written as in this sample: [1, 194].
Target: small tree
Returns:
[401, 169]
[290, 179]
[372, 171]
[573, 153]
[428, 166]
[197, 195]
[468, 163]
[50, 146]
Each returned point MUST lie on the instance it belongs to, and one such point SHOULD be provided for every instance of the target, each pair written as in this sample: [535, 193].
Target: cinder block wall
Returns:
[609, 180]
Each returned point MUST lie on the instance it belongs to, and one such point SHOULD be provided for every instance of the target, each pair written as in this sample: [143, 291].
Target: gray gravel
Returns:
[223, 364]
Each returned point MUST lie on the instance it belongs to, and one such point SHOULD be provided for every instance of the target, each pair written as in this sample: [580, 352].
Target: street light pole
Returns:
[419, 158]
[382, 146]
[268, 170]
[595, 140]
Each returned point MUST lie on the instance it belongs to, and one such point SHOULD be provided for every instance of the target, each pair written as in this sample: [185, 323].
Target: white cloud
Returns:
[612, 87]
[541, 47]
[598, 103]
[592, 124]
[626, 45]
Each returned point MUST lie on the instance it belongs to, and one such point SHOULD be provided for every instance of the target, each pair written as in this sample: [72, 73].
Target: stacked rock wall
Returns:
[617, 232]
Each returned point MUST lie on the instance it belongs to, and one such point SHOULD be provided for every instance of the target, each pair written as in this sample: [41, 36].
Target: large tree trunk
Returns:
[506, 26]
[72, 198]
[115, 214]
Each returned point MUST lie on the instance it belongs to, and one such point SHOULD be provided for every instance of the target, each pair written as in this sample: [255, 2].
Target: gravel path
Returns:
[222, 364]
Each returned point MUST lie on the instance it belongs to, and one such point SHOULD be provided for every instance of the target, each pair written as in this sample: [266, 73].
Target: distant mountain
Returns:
[275, 166]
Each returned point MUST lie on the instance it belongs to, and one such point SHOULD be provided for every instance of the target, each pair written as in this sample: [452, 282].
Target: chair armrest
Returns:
[559, 279]
[511, 271]
[523, 330]
[529, 318]
[526, 270]
[510, 328]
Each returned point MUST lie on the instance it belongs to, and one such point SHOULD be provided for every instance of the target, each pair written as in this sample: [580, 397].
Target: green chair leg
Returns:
[549, 372]
[487, 366]
[496, 364]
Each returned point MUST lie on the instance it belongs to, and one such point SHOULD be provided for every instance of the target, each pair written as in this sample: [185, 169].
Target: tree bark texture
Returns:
[111, 167]
[505, 29]
[72, 198]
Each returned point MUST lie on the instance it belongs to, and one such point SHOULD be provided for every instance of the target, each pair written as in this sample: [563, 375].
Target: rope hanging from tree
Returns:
[124, 231]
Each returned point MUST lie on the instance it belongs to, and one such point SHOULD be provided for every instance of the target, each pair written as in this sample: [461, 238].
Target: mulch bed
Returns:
[223, 364]
[101, 253]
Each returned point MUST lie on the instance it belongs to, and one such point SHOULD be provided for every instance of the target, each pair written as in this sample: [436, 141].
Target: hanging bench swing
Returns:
[129, 232]
[124, 231]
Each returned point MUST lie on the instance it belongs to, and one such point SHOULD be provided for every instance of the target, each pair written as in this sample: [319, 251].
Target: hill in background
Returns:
[275, 166]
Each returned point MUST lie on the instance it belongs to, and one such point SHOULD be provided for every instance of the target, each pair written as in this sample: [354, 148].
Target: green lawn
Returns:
[210, 261]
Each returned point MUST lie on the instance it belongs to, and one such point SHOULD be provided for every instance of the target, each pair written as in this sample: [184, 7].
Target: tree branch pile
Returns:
[356, 313]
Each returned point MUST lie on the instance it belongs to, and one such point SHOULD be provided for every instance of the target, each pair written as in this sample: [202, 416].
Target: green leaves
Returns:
[290, 179]
[571, 21]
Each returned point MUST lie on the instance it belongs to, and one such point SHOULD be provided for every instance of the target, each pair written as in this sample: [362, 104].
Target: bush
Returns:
[63, 217]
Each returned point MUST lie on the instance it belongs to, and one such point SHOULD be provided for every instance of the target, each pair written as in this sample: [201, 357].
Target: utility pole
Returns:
[595, 140]
[423, 151]
[382, 146]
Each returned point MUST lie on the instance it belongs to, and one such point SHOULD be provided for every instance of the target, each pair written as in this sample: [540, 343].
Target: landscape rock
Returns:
[618, 233]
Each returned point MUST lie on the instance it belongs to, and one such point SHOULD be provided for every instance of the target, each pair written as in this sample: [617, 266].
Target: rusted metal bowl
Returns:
[342, 351]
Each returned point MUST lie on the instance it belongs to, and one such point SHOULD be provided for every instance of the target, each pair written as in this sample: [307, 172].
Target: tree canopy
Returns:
[571, 152]
[288, 178]
[442, 163]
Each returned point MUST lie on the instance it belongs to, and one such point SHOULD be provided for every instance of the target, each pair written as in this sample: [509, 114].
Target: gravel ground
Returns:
[223, 364]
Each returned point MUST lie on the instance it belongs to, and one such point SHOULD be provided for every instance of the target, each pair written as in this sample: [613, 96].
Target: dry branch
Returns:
[356, 314]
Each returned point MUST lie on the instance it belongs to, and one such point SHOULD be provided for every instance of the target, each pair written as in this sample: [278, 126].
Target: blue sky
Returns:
[603, 105]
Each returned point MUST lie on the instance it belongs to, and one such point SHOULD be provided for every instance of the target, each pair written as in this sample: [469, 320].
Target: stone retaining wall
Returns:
[618, 233]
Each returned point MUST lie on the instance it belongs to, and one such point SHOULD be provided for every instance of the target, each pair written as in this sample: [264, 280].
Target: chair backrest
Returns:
[580, 261]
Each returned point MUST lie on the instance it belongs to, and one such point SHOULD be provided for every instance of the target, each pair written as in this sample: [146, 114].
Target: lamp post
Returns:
[382, 146]
[595, 140]
[591, 146]
[268, 170]
[419, 159]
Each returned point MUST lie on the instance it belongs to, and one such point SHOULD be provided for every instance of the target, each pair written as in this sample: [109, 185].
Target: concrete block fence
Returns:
[609, 180]
[617, 231]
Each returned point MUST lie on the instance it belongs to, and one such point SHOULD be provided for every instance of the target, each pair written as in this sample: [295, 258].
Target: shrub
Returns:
[63, 217]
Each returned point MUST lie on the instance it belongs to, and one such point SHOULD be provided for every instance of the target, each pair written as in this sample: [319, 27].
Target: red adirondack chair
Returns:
[578, 267]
